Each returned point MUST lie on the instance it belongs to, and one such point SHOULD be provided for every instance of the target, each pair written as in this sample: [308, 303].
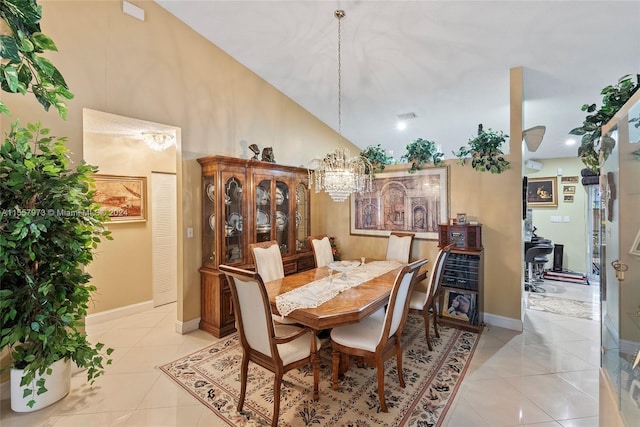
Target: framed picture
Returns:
[460, 305]
[568, 199]
[542, 192]
[635, 248]
[123, 197]
[400, 201]
[569, 179]
[569, 189]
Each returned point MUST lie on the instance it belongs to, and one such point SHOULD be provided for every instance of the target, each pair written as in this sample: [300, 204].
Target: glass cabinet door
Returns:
[263, 211]
[208, 228]
[302, 218]
[283, 210]
[234, 215]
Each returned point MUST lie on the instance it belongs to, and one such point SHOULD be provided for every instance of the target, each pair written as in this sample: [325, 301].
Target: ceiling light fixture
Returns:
[337, 173]
[533, 137]
[158, 141]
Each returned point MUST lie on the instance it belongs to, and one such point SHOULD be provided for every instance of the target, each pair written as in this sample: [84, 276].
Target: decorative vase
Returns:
[58, 385]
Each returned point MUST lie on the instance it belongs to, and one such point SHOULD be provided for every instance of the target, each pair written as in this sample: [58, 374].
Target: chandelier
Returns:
[337, 173]
[158, 141]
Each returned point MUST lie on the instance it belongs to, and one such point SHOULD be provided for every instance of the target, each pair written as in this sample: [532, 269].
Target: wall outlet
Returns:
[566, 218]
[189, 232]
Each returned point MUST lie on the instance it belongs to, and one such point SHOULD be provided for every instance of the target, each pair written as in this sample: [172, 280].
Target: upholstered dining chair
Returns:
[267, 258]
[425, 300]
[399, 246]
[278, 348]
[322, 252]
[377, 335]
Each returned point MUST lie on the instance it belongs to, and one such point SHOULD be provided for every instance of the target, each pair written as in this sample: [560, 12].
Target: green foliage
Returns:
[377, 156]
[49, 227]
[485, 151]
[422, 151]
[49, 223]
[613, 98]
[23, 68]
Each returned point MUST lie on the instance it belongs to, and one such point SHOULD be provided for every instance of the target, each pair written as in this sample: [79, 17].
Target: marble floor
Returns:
[545, 376]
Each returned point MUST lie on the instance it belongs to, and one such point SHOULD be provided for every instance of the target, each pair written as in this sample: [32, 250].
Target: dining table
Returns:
[354, 302]
[351, 305]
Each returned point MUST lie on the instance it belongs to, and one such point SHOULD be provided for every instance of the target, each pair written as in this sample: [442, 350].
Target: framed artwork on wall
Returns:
[124, 198]
[542, 192]
[400, 201]
[635, 248]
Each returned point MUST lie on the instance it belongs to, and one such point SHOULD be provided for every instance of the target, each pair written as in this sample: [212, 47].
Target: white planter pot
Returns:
[58, 385]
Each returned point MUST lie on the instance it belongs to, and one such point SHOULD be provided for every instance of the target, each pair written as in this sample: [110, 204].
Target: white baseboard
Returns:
[503, 322]
[188, 326]
[117, 313]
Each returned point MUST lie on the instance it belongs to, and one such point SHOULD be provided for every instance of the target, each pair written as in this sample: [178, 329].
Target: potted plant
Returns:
[422, 151]
[613, 98]
[49, 223]
[485, 151]
[377, 156]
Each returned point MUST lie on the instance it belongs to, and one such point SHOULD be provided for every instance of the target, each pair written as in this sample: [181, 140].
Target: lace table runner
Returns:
[320, 291]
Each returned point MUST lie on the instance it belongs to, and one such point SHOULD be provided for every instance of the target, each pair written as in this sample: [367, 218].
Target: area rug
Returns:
[212, 375]
[564, 306]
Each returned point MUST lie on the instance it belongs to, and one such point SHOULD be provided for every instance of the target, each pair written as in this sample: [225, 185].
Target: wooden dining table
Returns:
[349, 306]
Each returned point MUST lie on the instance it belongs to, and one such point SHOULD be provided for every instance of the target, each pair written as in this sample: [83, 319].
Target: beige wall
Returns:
[161, 71]
[573, 234]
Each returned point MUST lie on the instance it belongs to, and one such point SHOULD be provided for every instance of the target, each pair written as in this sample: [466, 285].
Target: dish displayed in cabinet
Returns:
[280, 196]
[281, 220]
[212, 222]
[211, 192]
[262, 197]
[262, 218]
[235, 221]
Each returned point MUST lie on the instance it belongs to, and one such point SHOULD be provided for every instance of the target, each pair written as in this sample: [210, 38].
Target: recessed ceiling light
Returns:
[401, 125]
[570, 141]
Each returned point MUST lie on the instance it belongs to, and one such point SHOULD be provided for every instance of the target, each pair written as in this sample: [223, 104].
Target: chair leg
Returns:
[399, 362]
[244, 366]
[380, 368]
[434, 308]
[277, 385]
[425, 314]
[336, 367]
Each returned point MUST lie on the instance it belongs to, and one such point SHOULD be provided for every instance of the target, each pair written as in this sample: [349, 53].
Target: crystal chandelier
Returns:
[337, 173]
[158, 141]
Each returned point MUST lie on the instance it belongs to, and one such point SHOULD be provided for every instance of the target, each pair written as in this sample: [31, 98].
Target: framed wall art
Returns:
[400, 201]
[542, 192]
[123, 197]
[568, 189]
[569, 180]
[635, 248]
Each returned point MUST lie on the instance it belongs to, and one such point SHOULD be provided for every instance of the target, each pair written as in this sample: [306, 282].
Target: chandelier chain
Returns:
[339, 14]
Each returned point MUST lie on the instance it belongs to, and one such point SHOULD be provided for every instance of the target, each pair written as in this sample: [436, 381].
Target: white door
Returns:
[164, 258]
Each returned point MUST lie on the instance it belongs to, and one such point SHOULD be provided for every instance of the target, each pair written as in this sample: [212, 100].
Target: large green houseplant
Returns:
[422, 151]
[485, 150]
[613, 98]
[49, 223]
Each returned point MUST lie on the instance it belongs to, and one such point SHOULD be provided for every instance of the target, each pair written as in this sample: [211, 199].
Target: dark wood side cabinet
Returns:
[246, 201]
[461, 295]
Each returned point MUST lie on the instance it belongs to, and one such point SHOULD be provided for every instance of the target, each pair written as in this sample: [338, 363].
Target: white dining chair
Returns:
[399, 246]
[322, 252]
[376, 336]
[268, 261]
[278, 348]
[425, 300]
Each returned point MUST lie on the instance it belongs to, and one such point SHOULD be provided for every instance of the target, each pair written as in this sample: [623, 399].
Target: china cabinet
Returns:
[461, 295]
[246, 201]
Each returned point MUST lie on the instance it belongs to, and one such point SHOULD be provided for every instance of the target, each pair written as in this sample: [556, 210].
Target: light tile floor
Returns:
[545, 376]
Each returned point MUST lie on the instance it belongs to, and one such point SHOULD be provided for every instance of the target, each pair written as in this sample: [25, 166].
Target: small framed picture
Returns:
[568, 199]
[541, 192]
[462, 218]
[569, 179]
[124, 198]
[569, 189]
[460, 305]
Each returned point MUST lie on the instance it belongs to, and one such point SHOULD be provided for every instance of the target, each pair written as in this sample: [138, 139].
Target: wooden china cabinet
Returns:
[246, 201]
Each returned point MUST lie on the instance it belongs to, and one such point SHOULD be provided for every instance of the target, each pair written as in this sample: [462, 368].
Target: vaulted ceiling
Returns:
[446, 61]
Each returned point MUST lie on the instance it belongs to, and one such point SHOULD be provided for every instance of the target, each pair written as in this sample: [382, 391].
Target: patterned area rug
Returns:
[212, 375]
[564, 306]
